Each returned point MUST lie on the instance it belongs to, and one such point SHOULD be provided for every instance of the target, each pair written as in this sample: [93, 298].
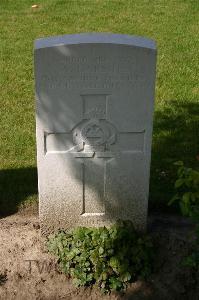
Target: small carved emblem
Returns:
[94, 133]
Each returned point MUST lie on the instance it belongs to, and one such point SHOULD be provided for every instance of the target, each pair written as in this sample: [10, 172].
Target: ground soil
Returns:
[27, 271]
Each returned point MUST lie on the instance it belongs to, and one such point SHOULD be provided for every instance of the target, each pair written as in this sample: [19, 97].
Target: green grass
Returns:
[173, 24]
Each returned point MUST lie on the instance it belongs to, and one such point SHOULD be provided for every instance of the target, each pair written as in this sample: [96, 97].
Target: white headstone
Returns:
[94, 107]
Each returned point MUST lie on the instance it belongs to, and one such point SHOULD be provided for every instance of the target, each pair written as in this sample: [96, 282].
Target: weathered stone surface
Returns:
[94, 107]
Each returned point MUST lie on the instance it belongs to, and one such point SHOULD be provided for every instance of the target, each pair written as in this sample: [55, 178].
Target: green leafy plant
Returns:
[187, 187]
[110, 257]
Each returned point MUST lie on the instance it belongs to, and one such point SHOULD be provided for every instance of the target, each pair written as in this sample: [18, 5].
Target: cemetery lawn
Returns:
[173, 24]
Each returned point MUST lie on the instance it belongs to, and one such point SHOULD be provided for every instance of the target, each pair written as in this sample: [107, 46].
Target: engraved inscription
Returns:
[95, 72]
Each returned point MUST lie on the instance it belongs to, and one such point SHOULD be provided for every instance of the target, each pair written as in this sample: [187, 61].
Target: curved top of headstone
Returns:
[95, 38]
